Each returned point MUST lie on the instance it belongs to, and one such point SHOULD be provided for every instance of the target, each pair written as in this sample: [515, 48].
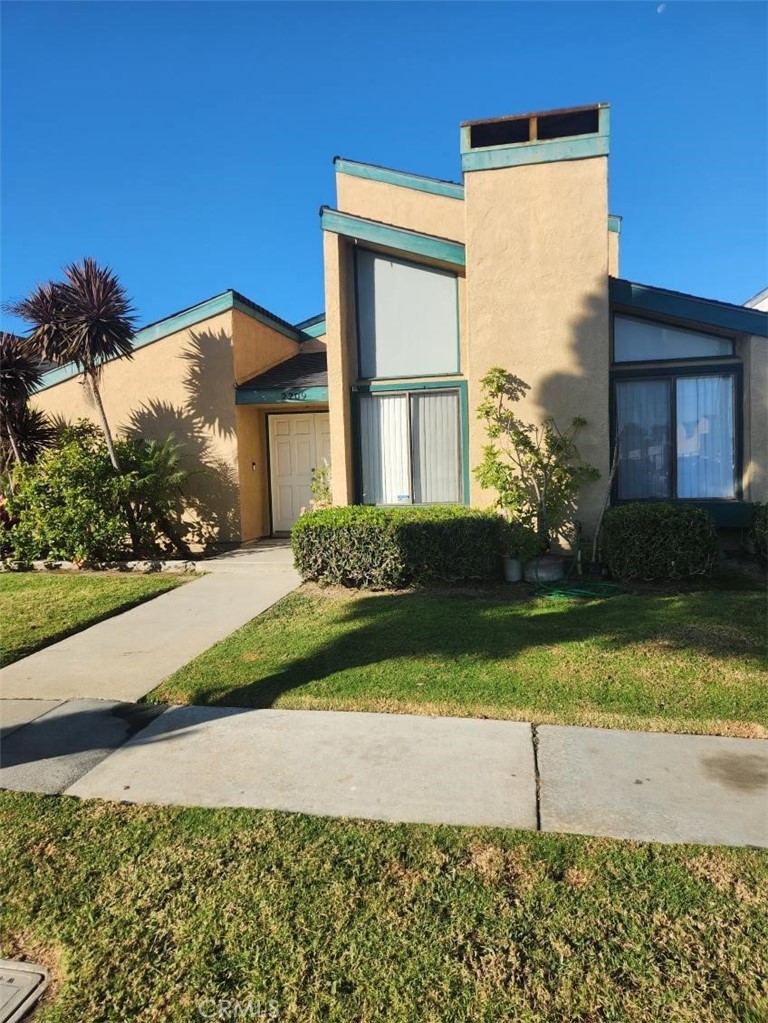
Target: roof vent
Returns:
[551, 135]
[555, 124]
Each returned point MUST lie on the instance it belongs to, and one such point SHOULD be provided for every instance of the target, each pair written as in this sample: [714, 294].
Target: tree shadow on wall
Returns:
[209, 381]
[583, 391]
[209, 509]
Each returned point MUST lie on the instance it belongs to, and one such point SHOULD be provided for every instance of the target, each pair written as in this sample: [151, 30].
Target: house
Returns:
[429, 283]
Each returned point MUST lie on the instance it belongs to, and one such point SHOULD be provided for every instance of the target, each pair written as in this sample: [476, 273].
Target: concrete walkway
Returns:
[124, 657]
[645, 786]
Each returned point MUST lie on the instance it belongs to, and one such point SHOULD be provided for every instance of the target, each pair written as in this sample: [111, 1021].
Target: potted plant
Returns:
[536, 470]
[519, 545]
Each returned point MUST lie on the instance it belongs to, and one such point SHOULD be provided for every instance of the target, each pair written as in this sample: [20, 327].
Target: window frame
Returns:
[408, 259]
[457, 387]
[670, 371]
[684, 328]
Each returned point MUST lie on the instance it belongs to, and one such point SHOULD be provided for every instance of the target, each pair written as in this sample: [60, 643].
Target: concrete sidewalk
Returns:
[125, 657]
[645, 786]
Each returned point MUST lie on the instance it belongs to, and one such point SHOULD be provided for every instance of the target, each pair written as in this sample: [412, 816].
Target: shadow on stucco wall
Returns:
[582, 388]
[209, 382]
[203, 423]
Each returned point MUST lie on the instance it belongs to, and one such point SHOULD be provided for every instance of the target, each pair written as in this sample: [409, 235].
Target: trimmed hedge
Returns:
[390, 548]
[758, 534]
[659, 541]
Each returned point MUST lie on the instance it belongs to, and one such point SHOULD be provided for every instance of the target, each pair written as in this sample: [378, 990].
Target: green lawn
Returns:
[686, 662]
[37, 609]
[157, 914]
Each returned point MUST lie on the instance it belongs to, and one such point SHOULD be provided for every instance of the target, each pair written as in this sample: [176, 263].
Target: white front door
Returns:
[298, 442]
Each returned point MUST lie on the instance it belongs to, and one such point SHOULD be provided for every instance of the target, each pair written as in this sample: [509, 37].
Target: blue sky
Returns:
[190, 145]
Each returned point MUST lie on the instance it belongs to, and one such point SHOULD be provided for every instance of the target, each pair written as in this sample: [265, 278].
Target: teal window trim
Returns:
[441, 250]
[379, 387]
[173, 324]
[281, 395]
[614, 223]
[403, 179]
[627, 296]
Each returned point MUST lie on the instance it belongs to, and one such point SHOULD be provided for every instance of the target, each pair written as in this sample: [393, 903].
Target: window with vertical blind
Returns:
[410, 447]
[407, 318]
[677, 436]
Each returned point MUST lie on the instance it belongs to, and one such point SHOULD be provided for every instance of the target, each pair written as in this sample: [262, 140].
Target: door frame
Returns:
[267, 435]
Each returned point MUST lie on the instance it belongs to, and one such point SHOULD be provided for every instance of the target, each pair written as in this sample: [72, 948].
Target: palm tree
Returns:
[33, 431]
[85, 319]
[20, 374]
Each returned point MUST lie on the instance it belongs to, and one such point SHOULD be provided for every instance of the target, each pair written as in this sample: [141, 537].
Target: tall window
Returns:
[676, 437]
[407, 318]
[410, 447]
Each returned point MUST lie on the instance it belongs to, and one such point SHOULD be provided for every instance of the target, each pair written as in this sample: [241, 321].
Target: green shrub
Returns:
[659, 541]
[758, 534]
[71, 503]
[389, 548]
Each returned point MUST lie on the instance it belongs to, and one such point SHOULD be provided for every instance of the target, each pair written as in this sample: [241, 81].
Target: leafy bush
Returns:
[389, 548]
[72, 504]
[758, 534]
[659, 541]
[520, 541]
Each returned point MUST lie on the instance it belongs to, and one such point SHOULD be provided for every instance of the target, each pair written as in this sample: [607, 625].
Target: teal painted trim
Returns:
[464, 402]
[579, 147]
[316, 330]
[403, 179]
[440, 249]
[280, 395]
[614, 223]
[641, 298]
[422, 385]
[57, 376]
[314, 326]
[728, 514]
[153, 332]
[256, 314]
[604, 121]
[173, 324]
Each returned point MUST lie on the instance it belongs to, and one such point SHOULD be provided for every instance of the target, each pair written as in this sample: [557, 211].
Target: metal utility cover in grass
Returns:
[21, 984]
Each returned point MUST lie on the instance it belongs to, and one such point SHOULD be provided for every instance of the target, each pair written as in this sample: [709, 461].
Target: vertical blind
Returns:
[410, 448]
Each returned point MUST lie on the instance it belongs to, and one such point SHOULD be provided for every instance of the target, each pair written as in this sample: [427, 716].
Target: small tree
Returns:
[84, 319]
[535, 470]
[20, 374]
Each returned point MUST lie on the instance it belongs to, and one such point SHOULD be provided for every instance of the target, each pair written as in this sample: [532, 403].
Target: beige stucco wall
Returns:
[253, 464]
[257, 347]
[339, 337]
[181, 384]
[184, 384]
[537, 295]
[614, 245]
[754, 353]
[404, 207]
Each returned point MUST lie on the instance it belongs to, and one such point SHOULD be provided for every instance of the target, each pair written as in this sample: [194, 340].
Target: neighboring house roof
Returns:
[309, 369]
[758, 301]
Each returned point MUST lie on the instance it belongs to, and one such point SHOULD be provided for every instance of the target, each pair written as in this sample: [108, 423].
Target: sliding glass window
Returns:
[676, 437]
[410, 447]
